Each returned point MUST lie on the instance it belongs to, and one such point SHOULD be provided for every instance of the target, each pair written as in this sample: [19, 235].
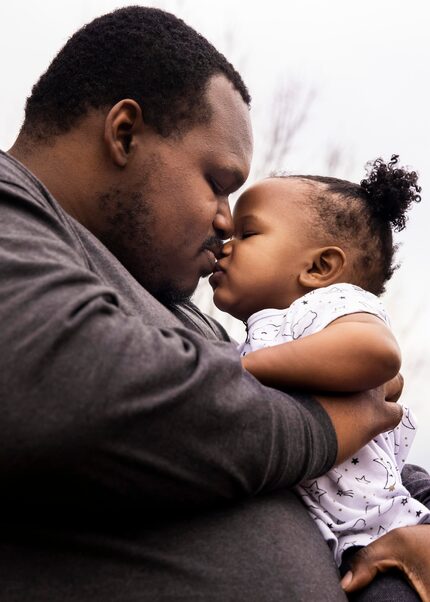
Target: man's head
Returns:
[136, 52]
[144, 131]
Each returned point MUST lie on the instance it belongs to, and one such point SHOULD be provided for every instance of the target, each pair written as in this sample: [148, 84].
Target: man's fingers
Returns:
[363, 574]
[359, 579]
[364, 569]
[406, 549]
[422, 588]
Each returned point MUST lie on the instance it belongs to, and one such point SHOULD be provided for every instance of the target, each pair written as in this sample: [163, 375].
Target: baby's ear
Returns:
[328, 265]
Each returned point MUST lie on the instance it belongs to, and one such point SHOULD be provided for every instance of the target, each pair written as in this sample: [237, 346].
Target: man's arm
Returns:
[353, 353]
[100, 409]
[351, 416]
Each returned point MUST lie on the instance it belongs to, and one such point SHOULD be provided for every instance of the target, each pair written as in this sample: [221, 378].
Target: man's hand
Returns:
[359, 417]
[406, 548]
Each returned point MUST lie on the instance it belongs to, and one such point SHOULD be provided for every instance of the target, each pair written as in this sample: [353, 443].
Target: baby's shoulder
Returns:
[326, 304]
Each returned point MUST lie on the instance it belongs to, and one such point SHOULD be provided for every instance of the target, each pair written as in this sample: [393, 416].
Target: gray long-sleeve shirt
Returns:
[138, 461]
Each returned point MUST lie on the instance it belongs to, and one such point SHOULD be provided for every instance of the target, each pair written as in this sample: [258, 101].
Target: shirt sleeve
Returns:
[417, 482]
[100, 408]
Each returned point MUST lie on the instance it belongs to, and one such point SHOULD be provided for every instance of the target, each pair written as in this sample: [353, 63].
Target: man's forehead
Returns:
[220, 92]
[230, 118]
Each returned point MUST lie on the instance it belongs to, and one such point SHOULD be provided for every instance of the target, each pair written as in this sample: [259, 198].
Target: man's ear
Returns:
[328, 265]
[122, 123]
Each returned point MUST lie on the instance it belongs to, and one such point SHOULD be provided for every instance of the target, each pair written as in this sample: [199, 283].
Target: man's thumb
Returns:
[362, 572]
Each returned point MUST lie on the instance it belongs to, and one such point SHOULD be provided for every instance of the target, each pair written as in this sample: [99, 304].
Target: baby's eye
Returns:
[247, 234]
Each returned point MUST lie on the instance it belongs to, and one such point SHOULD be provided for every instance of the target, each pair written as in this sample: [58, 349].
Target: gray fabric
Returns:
[417, 482]
[387, 587]
[132, 448]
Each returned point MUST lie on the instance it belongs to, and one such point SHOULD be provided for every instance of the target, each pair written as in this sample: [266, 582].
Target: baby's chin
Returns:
[221, 303]
[233, 311]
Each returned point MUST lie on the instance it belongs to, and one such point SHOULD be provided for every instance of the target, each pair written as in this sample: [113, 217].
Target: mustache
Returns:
[214, 244]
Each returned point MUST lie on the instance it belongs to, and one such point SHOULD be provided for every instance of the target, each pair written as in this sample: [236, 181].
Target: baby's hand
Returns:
[394, 388]
[358, 418]
[406, 548]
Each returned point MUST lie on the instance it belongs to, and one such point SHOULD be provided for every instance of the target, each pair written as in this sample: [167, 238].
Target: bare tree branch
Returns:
[290, 109]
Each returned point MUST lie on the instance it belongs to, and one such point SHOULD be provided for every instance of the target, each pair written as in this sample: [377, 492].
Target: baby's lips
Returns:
[217, 267]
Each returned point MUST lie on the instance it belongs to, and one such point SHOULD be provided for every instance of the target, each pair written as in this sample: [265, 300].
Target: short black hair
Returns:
[364, 215]
[136, 52]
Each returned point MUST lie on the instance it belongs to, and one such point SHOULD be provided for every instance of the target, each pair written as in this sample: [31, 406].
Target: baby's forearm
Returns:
[346, 356]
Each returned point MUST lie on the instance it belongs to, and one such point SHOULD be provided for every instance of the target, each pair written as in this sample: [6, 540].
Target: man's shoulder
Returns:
[17, 182]
[12, 172]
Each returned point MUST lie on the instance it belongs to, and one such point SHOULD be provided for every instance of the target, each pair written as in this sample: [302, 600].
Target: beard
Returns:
[127, 233]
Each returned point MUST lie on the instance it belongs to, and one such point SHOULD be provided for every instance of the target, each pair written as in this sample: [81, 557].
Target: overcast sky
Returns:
[366, 63]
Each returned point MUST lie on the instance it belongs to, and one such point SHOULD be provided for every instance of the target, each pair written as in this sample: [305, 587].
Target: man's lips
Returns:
[212, 249]
[212, 259]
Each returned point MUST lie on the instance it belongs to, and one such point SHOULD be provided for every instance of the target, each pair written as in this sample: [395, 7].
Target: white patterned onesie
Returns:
[362, 498]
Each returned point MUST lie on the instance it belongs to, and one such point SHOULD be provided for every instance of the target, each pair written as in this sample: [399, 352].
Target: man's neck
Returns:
[62, 167]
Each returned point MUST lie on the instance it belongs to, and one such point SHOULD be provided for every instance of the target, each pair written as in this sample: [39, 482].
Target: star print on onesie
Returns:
[363, 498]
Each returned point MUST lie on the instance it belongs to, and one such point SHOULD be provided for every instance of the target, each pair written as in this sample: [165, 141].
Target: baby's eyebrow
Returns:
[248, 217]
[245, 222]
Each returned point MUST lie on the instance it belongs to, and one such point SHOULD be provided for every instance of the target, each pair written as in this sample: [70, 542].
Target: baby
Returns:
[309, 257]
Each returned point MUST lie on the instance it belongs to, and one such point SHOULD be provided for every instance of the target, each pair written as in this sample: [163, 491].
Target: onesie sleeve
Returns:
[317, 309]
[403, 436]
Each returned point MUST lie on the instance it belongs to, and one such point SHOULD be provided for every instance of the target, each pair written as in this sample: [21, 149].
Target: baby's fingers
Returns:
[394, 388]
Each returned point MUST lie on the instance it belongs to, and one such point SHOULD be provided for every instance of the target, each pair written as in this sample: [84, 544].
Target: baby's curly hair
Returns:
[364, 215]
[136, 52]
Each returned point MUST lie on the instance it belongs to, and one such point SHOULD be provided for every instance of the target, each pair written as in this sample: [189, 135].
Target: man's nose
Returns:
[223, 220]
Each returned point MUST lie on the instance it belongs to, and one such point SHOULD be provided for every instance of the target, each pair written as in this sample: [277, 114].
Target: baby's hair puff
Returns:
[390, 190]
[362, 217]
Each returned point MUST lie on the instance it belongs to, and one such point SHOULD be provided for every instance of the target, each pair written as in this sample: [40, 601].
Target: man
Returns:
[138, 461]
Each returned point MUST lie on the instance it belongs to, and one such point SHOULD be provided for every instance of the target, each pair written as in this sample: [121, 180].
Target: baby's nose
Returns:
[227, 248]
